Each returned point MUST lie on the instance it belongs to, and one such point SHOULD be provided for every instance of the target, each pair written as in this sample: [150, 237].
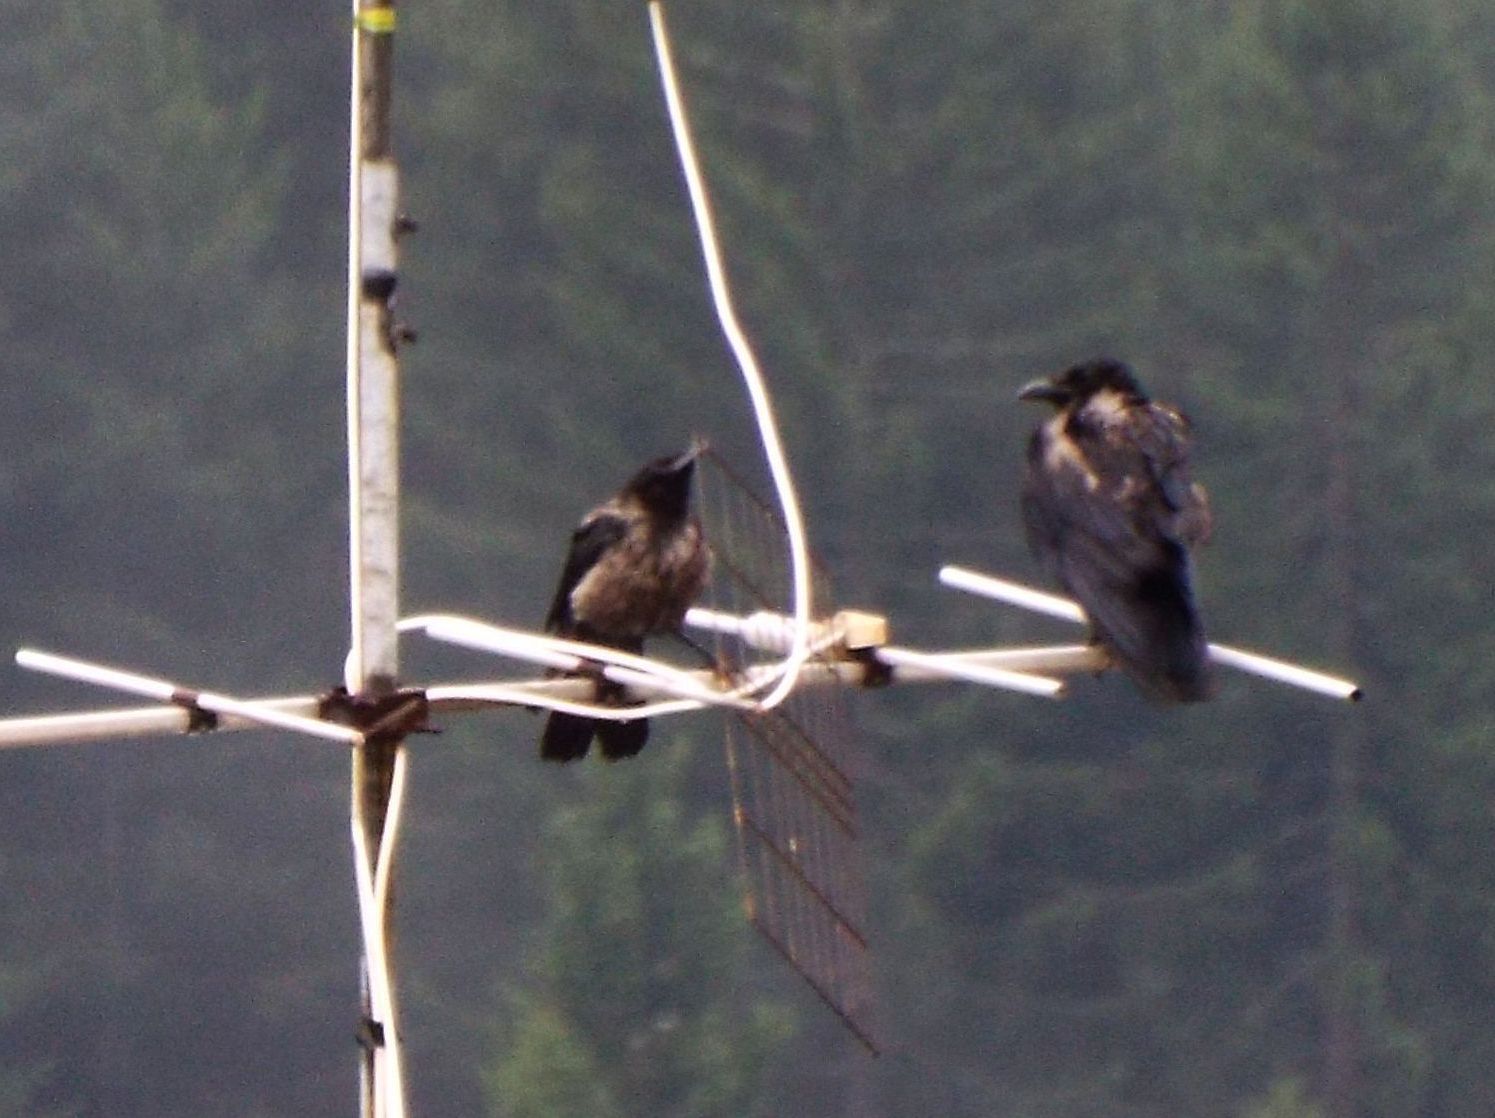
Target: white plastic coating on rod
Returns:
[1253, 663]
[764, 630]
[373, 428]
[99, 725]
[483, 637]
[133, 722]
[374, 552]
[1284, 672]
[167, 692]
[1057, 658]
[505, 694]
[695, 688]
[380, 197]
[973, 673]
[552, 652]
[1012, 593]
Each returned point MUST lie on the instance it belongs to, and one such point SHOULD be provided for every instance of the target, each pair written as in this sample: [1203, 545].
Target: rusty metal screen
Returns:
[793, 771]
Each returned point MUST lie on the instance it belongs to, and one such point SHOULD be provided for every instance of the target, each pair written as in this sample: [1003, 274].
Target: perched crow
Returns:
[1109, 504]
[635, 565]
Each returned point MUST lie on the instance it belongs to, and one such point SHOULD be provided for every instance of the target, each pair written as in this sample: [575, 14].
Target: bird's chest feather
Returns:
[644, 584]
[1104, 446]
[1064, 456]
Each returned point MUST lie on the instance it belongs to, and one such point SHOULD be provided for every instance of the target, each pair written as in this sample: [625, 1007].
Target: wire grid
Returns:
[792, 771]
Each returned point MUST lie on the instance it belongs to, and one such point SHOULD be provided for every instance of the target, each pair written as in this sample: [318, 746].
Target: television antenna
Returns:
[804, 895]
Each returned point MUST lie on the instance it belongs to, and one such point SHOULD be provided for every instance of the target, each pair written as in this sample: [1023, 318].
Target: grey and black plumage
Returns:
[1109, 504]
[636, 563]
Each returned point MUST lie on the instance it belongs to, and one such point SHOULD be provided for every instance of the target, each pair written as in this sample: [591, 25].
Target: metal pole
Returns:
[373, 522]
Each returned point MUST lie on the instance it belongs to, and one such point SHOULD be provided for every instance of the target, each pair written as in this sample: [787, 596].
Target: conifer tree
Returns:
[635, 1002]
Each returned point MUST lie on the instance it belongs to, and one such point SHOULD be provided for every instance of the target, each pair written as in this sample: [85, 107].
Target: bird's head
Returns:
[1079, 383]
[663, 485]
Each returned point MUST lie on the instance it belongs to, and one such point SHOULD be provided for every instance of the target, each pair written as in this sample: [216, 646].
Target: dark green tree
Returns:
[1279, 210]
[639, 999]
[1344, 221]
[154, 340]
[1166, 912]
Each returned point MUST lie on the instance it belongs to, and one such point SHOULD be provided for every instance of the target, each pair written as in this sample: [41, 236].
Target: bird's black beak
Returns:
[1044, 391]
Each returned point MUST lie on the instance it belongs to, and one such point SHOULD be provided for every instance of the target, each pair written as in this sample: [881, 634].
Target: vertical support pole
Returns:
[373, 523]
[373, 407]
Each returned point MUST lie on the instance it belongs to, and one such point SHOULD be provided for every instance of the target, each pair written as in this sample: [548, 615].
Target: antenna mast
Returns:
[373, 534]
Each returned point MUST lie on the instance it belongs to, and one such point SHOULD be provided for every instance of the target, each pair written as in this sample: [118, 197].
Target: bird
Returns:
[635, 564]
[1108, 503]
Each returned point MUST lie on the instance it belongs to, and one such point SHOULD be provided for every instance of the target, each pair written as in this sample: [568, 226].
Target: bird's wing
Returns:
[1094, 542]
[603, 528]
[1077, 497]
[1181, 508]
[1096, 509]
[1133, 582]
[1092, 507]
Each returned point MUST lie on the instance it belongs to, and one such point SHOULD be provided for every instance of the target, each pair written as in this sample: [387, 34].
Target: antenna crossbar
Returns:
[1253, 663]
[191, 700]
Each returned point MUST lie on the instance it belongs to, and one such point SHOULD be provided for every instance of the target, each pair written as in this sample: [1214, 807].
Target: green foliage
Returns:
[27, 1087]
[637, 960]
[149, 327]
[1349, 247]
[1285, 1099]
[547, 1071]
[1280, 209]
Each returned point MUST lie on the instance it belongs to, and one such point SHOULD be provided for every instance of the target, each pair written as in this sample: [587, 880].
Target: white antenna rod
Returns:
[131, 722]
[373, 372]
[167, 692]
[1295, 675]
[1014, 594]
[972, 672]
[650, 676]
[772, 632]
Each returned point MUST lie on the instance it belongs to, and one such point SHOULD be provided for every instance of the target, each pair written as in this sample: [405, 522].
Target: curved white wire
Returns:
[372, 883]
[799, 559]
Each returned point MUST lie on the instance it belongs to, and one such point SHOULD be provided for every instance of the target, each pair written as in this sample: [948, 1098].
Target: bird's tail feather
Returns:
[622, 739]
[1185, 674]
[567, 737]
[1152, 628]
[1177, 662]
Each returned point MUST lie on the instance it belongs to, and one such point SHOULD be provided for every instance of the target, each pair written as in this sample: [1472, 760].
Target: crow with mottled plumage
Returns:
[635, 565]
[1109, 504]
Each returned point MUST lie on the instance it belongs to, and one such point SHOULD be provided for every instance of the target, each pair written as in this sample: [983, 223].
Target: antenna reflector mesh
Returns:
[792, 769]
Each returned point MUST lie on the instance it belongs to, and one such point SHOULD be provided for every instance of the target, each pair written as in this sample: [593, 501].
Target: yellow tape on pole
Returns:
[376, 21]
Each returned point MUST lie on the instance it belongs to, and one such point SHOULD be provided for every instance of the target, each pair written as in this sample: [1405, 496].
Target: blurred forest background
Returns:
[1282, 211]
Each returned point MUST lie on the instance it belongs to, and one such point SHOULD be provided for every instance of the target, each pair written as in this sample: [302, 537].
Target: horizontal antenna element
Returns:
[1253, 663]
[166, 692]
